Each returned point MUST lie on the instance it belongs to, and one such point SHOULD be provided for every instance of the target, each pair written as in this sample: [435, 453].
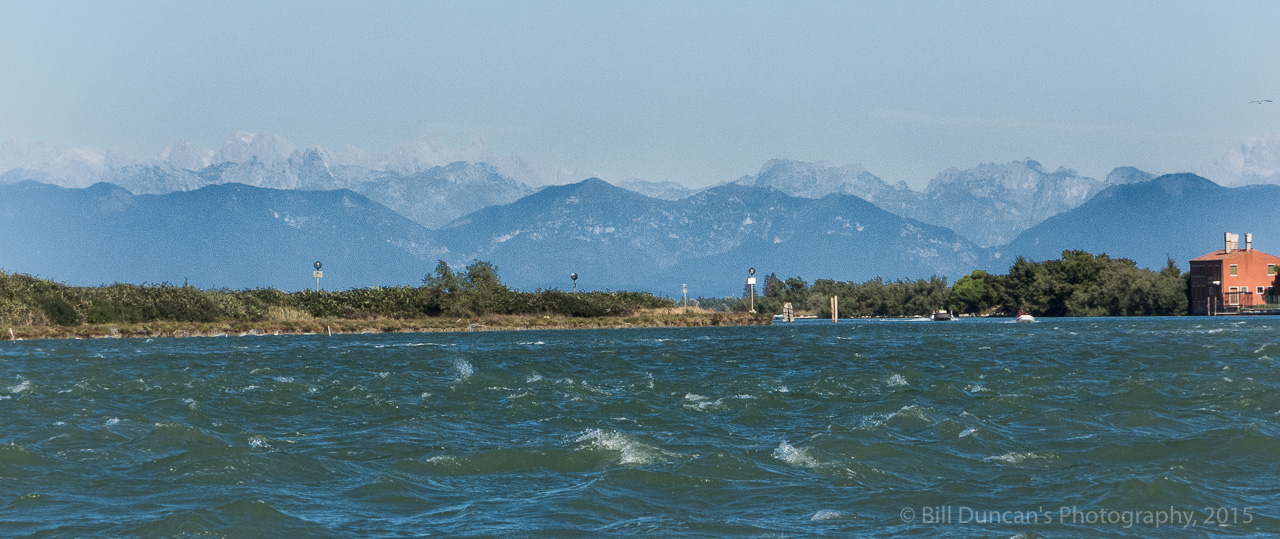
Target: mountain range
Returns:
[1174, 217]
[989, 204]
[232, 236]
[617, 238]
[259, 211]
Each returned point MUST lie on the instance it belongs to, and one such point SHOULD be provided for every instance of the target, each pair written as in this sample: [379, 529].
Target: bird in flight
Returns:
[1261, 101]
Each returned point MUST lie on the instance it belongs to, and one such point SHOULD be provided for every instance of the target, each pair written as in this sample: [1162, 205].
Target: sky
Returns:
[698, 93]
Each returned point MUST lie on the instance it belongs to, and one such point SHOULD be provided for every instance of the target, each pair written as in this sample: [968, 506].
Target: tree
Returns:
[773, 286]
[971, 294]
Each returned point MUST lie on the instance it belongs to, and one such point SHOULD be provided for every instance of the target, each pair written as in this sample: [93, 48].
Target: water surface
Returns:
[872, 428]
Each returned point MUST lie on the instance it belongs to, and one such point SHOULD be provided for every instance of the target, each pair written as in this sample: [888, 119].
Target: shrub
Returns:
[59, 311]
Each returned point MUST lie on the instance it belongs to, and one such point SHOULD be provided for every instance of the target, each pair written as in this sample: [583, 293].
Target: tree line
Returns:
[475, 291]
[1078, 284]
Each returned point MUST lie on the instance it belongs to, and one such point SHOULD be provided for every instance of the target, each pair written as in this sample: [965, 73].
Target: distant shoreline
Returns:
[160, 329]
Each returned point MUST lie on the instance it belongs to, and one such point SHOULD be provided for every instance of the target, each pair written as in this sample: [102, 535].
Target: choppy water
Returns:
[864, 428]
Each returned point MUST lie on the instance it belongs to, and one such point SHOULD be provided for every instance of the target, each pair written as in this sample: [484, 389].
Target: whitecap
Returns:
[968, 431]
[258, 441]
[20, 387]
[897, 380]
[463, 368]
[911, 411]
[826, 514]
[631, 451]
[794, 456]
[533, 378]
[1020, 458]
[283, 379]
[701, 403]
[113, 421]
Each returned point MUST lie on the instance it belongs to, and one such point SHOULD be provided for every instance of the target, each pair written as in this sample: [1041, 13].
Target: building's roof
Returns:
[1221, 254]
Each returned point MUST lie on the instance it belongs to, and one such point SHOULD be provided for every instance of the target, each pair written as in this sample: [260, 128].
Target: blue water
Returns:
[1062, 428]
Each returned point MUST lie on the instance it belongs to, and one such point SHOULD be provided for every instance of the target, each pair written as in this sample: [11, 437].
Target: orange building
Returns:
[1233, 278]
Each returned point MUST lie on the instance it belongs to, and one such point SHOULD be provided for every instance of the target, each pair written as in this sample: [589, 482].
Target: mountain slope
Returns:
[616, 238]
[438, 195]
[989, 204]
[219, 236]
[1178, 216]
[1254, 161]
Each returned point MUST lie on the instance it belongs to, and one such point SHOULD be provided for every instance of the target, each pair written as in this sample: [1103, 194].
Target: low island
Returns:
[470, 300]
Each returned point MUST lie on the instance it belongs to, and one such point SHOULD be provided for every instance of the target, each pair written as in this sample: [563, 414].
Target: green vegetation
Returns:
[27, 301]
[872, 298]
[1081, 284]
[1078, 284]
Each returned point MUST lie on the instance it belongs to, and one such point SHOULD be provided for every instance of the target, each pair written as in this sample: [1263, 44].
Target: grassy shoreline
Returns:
[649, 318]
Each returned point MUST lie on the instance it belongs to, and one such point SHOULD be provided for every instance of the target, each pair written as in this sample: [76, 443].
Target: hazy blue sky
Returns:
[693, 92]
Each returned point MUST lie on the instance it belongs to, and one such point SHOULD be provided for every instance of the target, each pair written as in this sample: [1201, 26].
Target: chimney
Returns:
[1248, 241]
[1230, 242]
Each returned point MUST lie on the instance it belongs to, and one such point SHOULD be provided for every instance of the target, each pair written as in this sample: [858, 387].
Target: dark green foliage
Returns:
[1081, 284]
[112, 312]
[59, 311]
[974, 293]
[879, 298]
[1078, 284]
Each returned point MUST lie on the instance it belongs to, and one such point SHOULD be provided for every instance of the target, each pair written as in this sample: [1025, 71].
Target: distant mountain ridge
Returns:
[1255, 161]
[989, 204]
[1175, 216]
[615, 237]
[237, 236]
[231, 235]
[234, 235]
[247, 212]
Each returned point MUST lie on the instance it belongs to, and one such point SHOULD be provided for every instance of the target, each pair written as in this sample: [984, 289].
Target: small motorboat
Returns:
[1024, 316]
[940, 315]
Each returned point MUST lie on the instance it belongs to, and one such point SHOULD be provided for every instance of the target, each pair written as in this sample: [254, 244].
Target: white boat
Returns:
[940, 316]
[1025, 317]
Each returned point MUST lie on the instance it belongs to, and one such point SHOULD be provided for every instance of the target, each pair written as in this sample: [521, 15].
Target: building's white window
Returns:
[1233, 270]
[1259, 289]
